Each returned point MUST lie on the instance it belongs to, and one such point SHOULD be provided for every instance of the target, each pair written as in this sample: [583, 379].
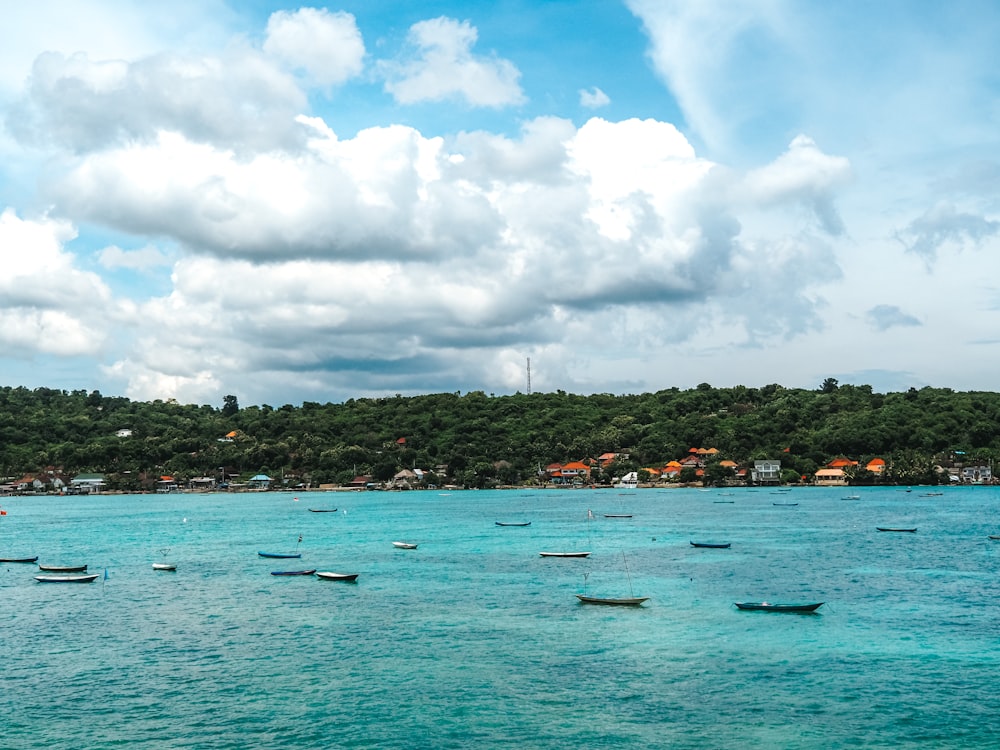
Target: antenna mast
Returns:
[529, 376]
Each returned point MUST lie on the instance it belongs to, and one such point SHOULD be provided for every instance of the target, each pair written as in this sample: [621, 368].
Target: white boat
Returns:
[68, 579]
[404, 545]
[628, 482]
[164, 566]
[329, 576]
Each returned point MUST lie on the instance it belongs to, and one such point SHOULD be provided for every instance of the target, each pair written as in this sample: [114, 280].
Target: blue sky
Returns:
[287, 202]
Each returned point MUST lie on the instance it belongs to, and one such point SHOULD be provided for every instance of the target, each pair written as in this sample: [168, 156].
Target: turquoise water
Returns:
[473, 639]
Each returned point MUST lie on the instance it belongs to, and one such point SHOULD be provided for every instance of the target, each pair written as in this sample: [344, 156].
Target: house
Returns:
[831, 477]
[875, 466]
[766, 472]
[259, 482]
[574, 470]
[361, 481]
[87, 484]
[977, 475]
[202, 484]
[124, 433]
[166, 484]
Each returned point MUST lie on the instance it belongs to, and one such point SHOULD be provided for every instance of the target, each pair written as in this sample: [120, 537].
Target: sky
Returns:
[290, 203]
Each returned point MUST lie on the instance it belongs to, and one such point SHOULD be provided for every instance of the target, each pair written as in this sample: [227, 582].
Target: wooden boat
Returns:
[886, 528]
[769, 607]
[622, 601]
[170, 567]
[63, 568]
[68, 579]
[19, 559]
[563, 554]
[521, 523]
[404, 545]
[345, 577]
[713, 545]
[851, 497]
[787, 505]
[632, 601]
[723, 501]
[617, 515]
[281, 555]
[293, 572]
[322, 510]
[994, 536]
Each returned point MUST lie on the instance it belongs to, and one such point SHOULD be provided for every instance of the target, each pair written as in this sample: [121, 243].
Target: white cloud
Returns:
[46, 303]
[328, 46]
[241, 101]
[444, 67]
[594, 98]
[392, 254]
[142, 259]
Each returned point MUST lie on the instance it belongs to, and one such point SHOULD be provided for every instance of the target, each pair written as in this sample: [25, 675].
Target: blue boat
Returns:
[293, 572]
[282, 555]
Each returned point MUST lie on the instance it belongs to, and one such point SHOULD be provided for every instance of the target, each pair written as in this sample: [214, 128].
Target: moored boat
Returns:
[322, 510]
[19, 559]
[772, 607]
[713, 545]
[513, 523]
[280, 555]
[404, 545]
[170, 567]
[889, 528]
[68, 579]
[63, 568]
[632, 601]
[345, 577]
[563, 554]
[293, 572]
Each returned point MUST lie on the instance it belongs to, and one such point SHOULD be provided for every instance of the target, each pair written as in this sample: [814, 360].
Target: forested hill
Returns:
[484, 439]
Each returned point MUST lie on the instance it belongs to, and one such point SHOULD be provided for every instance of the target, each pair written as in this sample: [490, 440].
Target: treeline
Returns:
[483, 439]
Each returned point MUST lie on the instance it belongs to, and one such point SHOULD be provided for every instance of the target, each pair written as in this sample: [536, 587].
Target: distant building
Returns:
[766, 472]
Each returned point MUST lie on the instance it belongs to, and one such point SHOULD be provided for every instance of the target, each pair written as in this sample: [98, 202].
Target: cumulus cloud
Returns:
[884, 317]
[594, 98]
[327, 46]
[804, 174]
[945, 225]
[143, 259]
[46, 303]
[390, 255]
[443, 67]
[239, 101]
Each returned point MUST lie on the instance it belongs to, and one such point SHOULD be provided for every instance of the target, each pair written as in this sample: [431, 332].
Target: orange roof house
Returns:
[876, 466]
[840, 463]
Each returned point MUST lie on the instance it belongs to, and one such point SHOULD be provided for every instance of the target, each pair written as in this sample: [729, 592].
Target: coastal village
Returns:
[689, 470]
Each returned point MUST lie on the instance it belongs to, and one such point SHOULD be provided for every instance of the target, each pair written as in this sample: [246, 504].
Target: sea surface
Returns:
[474, 640]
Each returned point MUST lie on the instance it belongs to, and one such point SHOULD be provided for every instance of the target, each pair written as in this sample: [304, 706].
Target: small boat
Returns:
[346, 577]
[632, 601]
[563, 554]
[851, 497]
[68, 579]
[164, 566]
[404, 545]
[769, 607]
[713, 545]
[519, 523]
[281, 555]
[63, 568]
[293, 572]
[787, 505]
[723, 501]
[994, 536]
[617, 515]
[19, 559]
[322, 510]
[887, 528]
[626, 601]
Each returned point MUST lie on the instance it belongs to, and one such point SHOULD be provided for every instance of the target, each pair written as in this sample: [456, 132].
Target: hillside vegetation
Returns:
[484, 439]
